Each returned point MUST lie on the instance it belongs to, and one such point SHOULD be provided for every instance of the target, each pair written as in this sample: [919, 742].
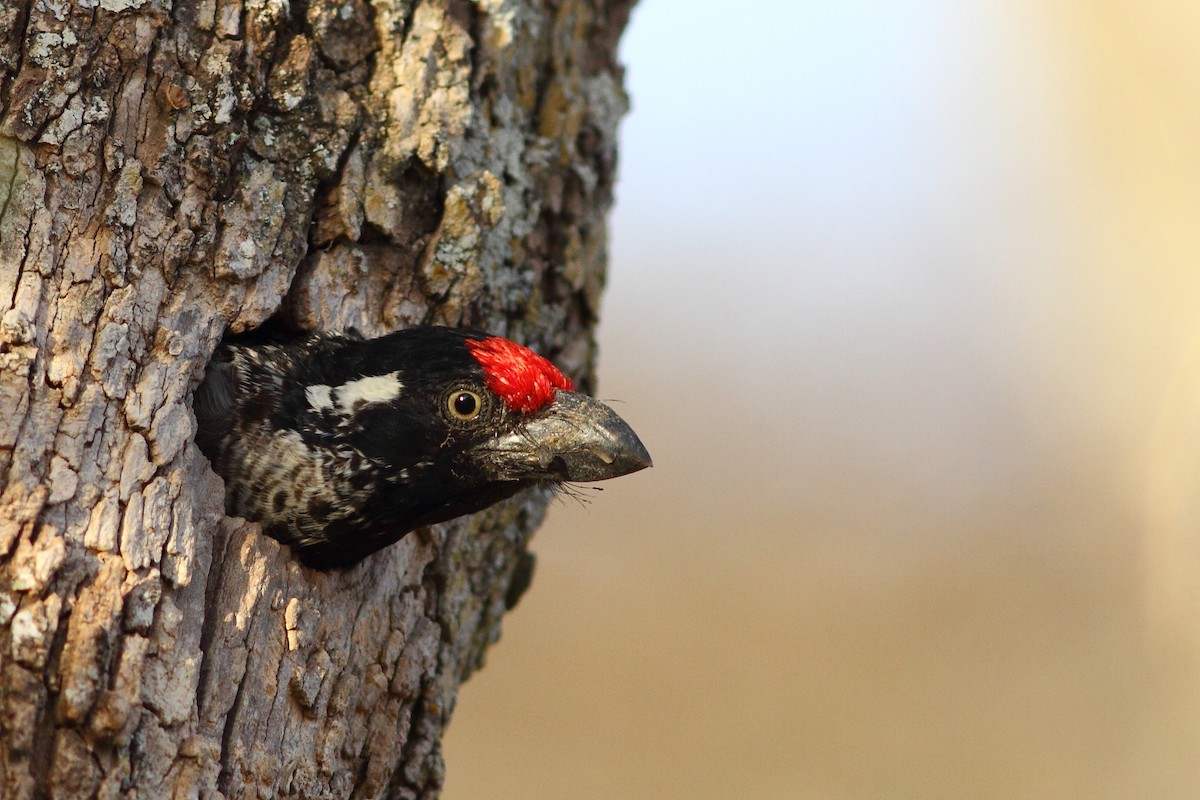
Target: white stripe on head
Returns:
[371, 389]
[319, 397]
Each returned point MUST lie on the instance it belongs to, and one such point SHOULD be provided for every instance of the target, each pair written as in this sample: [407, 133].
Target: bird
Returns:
[341, 445]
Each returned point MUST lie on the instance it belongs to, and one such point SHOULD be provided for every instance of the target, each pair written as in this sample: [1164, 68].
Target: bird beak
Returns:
[575, 438]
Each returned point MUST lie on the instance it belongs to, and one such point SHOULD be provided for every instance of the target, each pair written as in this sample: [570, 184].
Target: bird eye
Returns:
[464, 405]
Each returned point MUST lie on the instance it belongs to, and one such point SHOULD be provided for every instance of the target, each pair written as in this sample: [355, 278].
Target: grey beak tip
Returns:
[624, 451]
[640, 458]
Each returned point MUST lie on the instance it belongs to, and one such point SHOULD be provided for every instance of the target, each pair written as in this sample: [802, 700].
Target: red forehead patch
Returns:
[522, 378]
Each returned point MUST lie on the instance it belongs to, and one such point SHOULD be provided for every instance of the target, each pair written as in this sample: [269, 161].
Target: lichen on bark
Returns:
[171, 172]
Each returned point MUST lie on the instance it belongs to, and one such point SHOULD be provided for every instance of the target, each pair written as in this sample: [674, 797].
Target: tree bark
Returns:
[173, 172]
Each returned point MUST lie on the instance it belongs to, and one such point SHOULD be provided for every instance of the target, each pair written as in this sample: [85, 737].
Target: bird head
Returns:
[473, 409]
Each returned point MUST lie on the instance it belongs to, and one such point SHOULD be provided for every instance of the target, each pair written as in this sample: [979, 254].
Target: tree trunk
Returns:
[171, 172]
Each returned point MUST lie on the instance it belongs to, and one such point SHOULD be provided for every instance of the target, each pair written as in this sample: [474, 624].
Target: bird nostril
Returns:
[607, 458]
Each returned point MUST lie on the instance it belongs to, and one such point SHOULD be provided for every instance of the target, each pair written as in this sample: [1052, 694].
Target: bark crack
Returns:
[232, 717]
[12, 185]
[44, 735]
[10, 77]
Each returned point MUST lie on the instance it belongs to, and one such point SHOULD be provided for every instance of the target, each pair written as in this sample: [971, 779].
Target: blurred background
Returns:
[905, 302]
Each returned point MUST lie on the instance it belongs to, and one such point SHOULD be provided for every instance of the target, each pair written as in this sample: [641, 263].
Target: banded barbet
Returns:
[340, 445]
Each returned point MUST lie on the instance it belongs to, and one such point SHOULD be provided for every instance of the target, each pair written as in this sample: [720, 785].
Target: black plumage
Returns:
[340, 445]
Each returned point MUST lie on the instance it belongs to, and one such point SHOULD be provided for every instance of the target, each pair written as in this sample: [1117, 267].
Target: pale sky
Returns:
[899, 202]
